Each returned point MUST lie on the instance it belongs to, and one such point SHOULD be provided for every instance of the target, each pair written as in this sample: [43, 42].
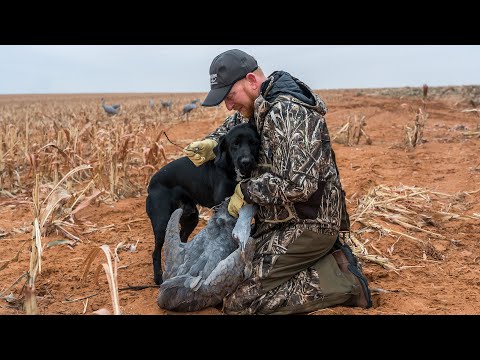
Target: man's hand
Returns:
[200, 151]
[236, 201]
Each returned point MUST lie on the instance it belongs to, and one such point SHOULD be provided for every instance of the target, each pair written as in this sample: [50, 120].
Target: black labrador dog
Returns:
[181, 184]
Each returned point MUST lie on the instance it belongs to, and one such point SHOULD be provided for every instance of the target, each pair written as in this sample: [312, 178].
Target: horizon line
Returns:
[204, 92]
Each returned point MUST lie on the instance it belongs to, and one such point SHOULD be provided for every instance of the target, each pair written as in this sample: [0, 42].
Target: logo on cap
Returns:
[213, 79]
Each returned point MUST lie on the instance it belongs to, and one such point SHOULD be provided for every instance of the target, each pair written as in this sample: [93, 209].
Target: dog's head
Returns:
[237, 151]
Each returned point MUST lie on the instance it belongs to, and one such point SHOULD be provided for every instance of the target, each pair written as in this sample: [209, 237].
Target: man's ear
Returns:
[252, 80]
[220, 152]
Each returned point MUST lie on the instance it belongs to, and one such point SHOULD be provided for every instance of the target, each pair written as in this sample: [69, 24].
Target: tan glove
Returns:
[200, 151]
[236, 201]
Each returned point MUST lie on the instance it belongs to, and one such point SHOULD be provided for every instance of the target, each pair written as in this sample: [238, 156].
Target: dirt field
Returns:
[434, 264]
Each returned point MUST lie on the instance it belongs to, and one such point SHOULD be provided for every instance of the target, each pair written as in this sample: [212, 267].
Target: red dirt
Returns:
[447, 162]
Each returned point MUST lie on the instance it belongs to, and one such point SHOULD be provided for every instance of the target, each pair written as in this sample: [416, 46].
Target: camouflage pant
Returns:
[291, 274]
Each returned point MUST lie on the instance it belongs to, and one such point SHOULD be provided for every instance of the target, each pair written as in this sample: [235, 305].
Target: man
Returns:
[300, 265]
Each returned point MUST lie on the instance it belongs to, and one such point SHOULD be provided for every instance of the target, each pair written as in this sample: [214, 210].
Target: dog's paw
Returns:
[158, 278]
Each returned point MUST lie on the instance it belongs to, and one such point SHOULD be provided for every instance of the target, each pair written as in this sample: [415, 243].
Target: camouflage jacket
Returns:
[296, 178]
[230, 122]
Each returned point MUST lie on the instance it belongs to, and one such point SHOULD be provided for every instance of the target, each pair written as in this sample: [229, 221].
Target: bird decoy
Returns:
[110, 109]
[200, 273]
[167, 104]
[189, 107]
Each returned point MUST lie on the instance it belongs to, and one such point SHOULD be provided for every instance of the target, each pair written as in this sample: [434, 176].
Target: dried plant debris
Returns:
[419, 211]
[352, 131]
[111, 271]
[414, 132]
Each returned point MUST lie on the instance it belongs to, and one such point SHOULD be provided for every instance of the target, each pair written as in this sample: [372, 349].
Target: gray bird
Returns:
[167, 104]
[200, 273]
[110, 109]
[189, 107]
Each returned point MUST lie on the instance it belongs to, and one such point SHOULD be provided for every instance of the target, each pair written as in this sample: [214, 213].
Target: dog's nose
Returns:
[245, 162]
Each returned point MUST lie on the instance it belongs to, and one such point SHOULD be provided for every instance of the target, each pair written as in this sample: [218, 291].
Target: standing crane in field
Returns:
[110, 109]
[167, 104]
[187, 108]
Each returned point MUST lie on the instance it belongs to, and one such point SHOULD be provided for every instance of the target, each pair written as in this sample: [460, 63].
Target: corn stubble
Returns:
[66, 154]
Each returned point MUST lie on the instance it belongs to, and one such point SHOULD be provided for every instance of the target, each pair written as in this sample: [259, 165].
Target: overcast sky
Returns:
[184, 68]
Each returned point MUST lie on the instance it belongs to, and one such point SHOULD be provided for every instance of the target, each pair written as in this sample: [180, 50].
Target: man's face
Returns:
[241, 98]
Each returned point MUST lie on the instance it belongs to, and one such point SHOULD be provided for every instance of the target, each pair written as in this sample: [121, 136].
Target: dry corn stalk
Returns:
[50, 136]
[40, 215]
[30, 302]
[110, 271]
[414, 133]
[351, 132]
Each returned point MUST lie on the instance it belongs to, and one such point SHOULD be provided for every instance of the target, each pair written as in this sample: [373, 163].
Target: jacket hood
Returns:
[282, 83]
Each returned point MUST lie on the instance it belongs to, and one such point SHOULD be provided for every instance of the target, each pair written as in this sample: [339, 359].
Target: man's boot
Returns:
[348, 263]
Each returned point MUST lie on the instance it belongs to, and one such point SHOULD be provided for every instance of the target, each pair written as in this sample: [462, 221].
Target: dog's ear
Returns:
[252, 124]
[218, 149]
[220, 152]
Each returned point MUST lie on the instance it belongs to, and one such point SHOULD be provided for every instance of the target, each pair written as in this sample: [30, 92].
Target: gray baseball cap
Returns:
[226, 69]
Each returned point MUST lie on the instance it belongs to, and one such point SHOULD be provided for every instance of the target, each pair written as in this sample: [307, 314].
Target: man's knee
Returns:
[302, 253]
